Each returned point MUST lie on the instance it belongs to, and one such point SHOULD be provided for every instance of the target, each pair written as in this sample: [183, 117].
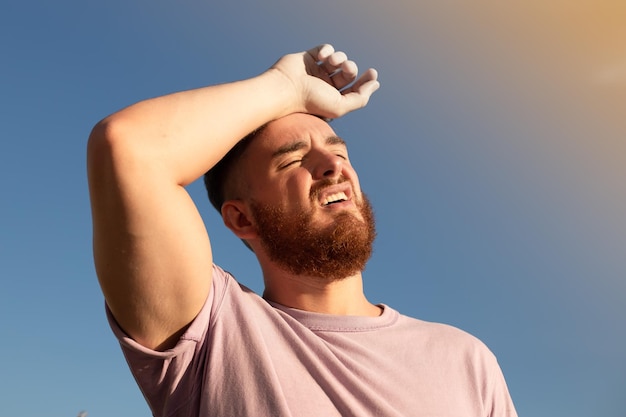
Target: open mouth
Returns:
[334, 198]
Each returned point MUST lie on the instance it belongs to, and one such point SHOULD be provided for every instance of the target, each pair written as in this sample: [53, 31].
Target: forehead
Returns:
[289, 129]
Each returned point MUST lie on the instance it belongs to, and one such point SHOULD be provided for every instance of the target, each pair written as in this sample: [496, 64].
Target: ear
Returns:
[236, 217]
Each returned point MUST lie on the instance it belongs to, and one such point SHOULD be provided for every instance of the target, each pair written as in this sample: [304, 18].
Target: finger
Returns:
[351, 102]
[334, 62]
[368, 80]
[320, 53]
[358, 94]
[345, 75]
[337, 58]
[348, 70]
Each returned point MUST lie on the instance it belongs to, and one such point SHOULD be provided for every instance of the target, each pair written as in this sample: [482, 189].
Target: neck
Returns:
[339, 297]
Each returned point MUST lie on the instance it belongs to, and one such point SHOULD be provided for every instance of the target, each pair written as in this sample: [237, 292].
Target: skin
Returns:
[151, 249]
[285, 180]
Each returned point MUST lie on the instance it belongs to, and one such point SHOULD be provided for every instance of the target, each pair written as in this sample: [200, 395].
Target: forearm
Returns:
[152, 252]
[184, 134]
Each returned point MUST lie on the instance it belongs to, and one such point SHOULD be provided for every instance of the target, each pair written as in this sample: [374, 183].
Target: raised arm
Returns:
[152, 252]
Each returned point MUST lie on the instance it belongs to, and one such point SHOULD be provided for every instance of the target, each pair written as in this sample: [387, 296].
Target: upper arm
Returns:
[151, 249]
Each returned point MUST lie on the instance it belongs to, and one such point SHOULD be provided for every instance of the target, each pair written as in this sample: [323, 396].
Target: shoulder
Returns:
[444, 338]
[456, 355]
[233, 301]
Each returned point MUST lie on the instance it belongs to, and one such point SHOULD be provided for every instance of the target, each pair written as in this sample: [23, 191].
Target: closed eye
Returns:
[289, 163]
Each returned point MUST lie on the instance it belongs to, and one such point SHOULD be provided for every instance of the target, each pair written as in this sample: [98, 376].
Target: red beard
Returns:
[330, 253]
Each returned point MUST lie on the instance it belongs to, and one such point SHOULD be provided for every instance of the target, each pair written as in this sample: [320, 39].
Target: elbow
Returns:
[103, 139]
[108, 145]
[99, 148]
[107, 153]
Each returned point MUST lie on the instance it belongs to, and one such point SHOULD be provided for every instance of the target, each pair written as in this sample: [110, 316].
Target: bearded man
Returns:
[200, 344]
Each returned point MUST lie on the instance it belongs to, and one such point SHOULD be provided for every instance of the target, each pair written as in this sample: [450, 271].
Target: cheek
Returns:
[264, 190]
[287, 193]
[352, 176]
[297, 187]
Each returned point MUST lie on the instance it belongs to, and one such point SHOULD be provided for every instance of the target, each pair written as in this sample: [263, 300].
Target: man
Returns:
[198, 343]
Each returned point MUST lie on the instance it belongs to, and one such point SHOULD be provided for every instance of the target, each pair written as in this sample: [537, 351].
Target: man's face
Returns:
[306, 201]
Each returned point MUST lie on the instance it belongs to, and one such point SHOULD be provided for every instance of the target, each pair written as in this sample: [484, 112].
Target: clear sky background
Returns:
[494, 154]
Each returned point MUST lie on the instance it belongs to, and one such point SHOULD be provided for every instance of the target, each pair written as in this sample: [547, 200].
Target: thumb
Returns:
[358, 94]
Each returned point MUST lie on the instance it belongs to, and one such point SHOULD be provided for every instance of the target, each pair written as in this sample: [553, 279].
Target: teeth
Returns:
[334, 198]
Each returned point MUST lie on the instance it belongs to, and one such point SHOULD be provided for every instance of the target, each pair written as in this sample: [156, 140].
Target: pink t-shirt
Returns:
[244, 356]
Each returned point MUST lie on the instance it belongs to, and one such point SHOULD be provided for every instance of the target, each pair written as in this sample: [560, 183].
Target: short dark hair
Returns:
[216, 178]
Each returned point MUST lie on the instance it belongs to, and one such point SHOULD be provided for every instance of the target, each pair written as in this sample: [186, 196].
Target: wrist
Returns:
[285, 94]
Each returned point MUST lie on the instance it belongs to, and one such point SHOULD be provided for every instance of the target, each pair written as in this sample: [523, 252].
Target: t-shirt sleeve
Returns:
[501, 402]
[170, 379]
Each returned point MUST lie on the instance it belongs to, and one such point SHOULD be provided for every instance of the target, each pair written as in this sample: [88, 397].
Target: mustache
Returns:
[325, 183]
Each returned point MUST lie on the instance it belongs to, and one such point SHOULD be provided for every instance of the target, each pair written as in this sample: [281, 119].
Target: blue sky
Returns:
[494, 154]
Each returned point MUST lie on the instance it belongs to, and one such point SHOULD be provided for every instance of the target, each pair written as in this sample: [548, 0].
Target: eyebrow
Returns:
[300, 144]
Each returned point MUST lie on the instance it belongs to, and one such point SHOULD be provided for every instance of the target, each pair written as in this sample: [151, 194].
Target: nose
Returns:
[328, 165]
